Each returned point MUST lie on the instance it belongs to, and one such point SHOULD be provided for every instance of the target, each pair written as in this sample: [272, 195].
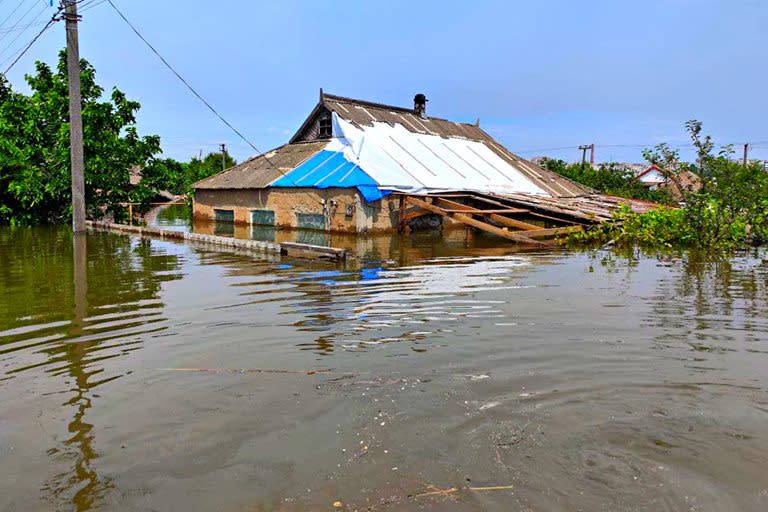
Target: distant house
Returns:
[683, 181]
[351, 160]
[652, 176]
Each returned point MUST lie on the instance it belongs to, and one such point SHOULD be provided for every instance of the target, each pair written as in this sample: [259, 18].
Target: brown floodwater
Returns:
[429, 374]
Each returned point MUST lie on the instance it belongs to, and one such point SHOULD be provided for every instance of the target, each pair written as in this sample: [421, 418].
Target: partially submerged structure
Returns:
[357, 166]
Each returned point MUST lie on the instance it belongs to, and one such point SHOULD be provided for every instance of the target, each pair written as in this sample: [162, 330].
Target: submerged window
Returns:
[263, 217]
[224, 215]
[325, 129]
[310, 221]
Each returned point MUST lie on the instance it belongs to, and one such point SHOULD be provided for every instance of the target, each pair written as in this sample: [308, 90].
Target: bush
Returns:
[613, 179]
[729, 211]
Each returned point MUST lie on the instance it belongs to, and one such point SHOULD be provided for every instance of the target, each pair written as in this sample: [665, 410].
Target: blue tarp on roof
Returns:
[328, 169]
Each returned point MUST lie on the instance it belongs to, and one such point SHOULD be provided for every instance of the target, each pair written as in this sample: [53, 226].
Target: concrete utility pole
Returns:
[223, 156]
[746, 154]
[584, 149]
[75, 117]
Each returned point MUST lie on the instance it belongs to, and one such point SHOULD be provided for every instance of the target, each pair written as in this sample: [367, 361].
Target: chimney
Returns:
[420, 105]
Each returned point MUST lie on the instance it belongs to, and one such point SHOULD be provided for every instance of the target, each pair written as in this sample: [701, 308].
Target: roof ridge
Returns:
[373, 104]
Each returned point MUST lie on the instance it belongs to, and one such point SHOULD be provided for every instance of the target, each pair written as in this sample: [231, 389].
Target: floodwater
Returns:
[429, 375]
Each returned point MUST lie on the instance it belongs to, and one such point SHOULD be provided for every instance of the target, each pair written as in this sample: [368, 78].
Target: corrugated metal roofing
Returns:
[418, 163]
[468, 158]
[328, 169]
[261, 171]
[365, 113]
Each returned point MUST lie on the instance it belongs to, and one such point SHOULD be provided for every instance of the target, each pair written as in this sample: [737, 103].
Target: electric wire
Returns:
[22, 18]
[21, 33]
[2, 23]
[200, 97]
[48, 25]
[22, 27]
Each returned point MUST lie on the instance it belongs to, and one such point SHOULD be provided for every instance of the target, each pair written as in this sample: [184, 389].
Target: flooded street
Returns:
[428, 374]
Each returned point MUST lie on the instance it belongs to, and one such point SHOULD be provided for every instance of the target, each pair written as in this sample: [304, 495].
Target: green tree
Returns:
[611, 178]
[729, 210]
[34, 148]
[210, 164]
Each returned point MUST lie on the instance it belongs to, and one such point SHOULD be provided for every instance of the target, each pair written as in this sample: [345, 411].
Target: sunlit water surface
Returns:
[131, 378]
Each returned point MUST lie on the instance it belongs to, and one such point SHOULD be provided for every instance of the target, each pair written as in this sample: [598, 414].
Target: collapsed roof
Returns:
[382, 149]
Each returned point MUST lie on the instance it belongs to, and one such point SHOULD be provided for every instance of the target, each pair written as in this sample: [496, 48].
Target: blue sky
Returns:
[539, 74]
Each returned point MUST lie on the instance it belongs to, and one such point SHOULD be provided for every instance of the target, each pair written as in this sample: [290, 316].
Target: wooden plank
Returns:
[460, 207]
[499, 219]
[485, 212]
[414, 214]
[546, 205]
[528, 211]
[555, 219]
[443, 202]
[541, 234]
[484, 226]
[312, 251]
[513, 223]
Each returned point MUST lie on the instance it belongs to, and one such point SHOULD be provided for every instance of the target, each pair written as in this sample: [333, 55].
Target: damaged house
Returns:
[356, 166]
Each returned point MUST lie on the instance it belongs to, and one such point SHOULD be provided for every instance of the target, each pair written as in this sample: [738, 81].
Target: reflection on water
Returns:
[584, 381]
[358, 310]
[66, 314]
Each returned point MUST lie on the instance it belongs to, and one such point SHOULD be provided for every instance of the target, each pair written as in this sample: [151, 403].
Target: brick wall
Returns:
[344, 209]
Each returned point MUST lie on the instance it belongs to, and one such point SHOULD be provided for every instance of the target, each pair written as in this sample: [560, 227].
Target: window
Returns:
[263, 217]
[310, 220]
[224, 215]
[325, 128]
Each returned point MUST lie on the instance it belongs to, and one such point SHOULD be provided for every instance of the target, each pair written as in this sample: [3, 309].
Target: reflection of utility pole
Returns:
[746, 154]
[75, 117]
[80, 281]
[592, 154]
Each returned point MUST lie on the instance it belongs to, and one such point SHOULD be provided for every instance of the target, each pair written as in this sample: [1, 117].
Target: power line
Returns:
[91, 5]
[198, 95]
[12, 13]
[639, 146]
[183, 80]
[23, 16]
[48, 25]
[20, 33]
[22, 27]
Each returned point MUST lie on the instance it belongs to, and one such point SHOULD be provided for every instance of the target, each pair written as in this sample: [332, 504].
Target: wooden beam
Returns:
[572, 217]
[513, 223]
[484, 226]
[492, 215]
[414, 214]
[485, 212]
[454, 206]
[555, 219]
[401, 226]
[541, 234]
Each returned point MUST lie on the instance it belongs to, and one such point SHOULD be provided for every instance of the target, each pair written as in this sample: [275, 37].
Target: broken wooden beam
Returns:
[485, 212]
[468, 220]
[543, 234]
[513, 223]
[492, 214]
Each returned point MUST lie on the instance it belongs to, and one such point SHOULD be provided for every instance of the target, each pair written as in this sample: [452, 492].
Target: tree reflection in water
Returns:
[114, 296]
